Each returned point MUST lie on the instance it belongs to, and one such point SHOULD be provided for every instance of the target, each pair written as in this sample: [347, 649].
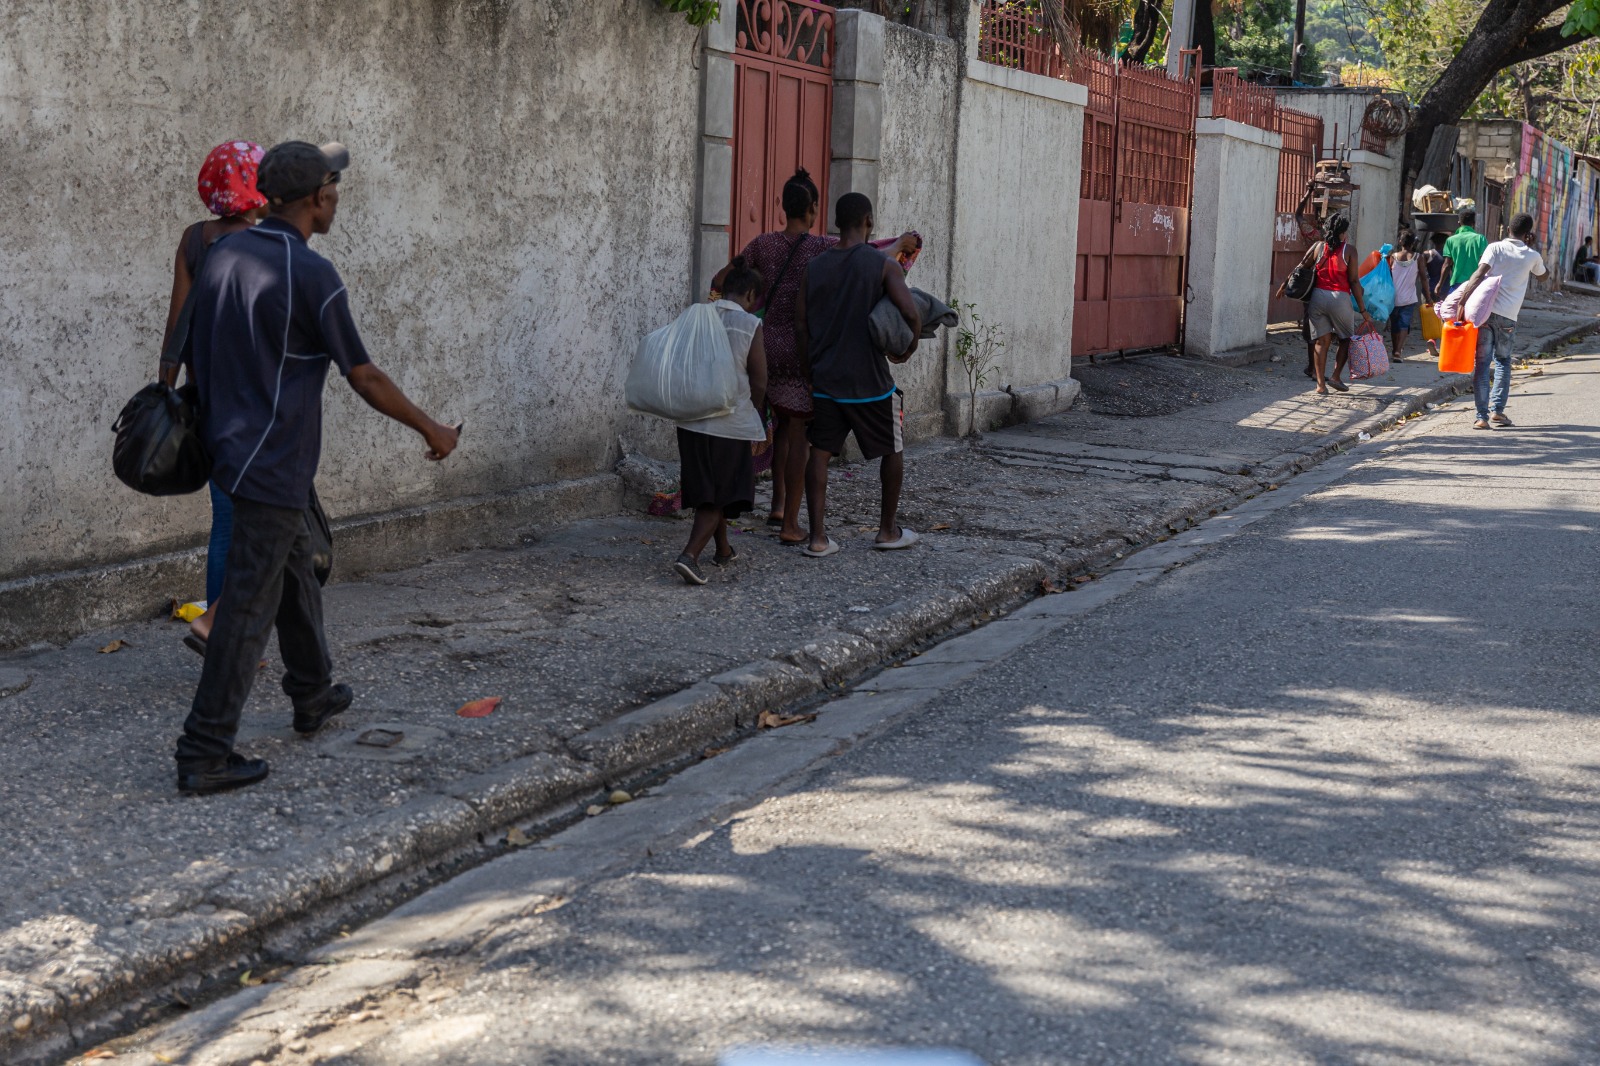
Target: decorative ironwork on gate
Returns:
[793, 31]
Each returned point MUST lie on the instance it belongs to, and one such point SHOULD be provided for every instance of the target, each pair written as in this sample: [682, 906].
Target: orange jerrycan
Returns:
[1458, 351]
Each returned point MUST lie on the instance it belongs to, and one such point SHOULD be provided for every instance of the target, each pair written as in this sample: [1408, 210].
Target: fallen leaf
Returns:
[115, 645]
[938, 528]
[1082, 579]
[869, 529]
[159, 1057]
[517, 838]
[619, 796]
[774, 720]
[100, 1053]
[594, 809]
[1047, 587]
[712, 753]
[250, 981]
[479, 708]
[545, 906]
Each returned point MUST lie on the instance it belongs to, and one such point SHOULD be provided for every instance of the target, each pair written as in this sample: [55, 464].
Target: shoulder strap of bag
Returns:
[783, 272]
[173, 354]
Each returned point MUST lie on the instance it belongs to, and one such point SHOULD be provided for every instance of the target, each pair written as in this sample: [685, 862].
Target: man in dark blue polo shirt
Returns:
[270, 316]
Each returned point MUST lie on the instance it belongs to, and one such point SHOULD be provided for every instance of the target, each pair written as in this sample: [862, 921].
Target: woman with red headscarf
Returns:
[227, 186]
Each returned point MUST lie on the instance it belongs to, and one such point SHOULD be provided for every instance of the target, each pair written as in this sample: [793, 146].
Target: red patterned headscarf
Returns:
[228, 179]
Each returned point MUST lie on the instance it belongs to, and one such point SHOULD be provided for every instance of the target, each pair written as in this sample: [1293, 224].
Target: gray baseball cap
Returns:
[296, 169]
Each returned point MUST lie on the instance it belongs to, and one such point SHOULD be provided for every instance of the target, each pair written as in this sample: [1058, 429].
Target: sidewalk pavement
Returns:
[122, 898]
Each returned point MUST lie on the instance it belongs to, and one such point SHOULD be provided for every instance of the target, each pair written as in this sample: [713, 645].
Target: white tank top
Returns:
[1405, 281]
[744, 423]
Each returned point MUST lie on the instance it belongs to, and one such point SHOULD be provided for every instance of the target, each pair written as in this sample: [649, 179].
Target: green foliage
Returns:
[1583, 17]
[698, 12]
[1259, 34]
[977, 351]
[1337, 30]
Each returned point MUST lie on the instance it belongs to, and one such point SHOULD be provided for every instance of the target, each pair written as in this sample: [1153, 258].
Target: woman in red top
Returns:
[1330, 310]
[781, 258]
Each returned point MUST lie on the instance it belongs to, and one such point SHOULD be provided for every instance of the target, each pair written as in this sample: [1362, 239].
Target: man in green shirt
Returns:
[1464, 248]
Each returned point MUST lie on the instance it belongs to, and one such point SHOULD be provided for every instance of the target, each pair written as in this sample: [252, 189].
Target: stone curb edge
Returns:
[429, 834]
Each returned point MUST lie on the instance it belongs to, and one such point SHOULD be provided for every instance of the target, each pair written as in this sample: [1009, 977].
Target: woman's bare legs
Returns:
[780, 457]
[793, 473]
[1319, 363]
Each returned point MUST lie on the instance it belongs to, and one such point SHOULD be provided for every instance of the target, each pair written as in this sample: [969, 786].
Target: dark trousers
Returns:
[269, 583]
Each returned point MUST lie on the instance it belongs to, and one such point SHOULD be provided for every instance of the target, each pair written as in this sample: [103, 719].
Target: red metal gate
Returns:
[1297, 161]
[783, 109]
[1133, 208]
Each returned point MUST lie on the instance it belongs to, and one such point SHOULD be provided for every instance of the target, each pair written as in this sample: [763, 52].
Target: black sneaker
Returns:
[310, 717]
[234, 772]
[689, 570]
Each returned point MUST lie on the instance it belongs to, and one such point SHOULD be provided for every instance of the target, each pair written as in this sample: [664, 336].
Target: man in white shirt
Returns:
[1513, 261]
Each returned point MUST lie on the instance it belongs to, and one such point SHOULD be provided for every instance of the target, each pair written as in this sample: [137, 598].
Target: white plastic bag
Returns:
[685, 372]
[1478, 306]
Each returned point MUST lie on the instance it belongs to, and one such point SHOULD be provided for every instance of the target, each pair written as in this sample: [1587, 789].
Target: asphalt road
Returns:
[1322, 792]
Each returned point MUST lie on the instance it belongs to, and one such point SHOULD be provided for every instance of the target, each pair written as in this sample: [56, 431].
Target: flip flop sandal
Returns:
[724, 560]
[908, 537]
[775, 521]
[809, 552]
[195, 644]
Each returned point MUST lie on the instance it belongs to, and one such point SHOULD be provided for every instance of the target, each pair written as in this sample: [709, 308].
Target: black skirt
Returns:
[717, 472]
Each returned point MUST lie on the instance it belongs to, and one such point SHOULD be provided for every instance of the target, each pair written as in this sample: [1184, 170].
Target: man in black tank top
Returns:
[852, 387]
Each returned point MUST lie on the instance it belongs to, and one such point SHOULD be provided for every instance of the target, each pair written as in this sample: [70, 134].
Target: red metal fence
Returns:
[1137, 177]
[1013, 35]
[1234, 98]
[783, 94]
[1297, 162]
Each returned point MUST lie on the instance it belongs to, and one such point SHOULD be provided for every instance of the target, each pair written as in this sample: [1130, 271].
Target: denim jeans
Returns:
[269, 583]
[221, 536]
[1491, 372]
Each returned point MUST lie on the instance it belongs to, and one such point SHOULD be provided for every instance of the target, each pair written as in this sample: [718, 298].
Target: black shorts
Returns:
[716, 472]
[878, 425]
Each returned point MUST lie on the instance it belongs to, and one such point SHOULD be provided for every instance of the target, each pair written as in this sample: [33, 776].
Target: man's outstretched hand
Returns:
[442, 440]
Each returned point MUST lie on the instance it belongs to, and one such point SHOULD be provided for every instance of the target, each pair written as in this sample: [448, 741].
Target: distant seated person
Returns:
[1584, 265]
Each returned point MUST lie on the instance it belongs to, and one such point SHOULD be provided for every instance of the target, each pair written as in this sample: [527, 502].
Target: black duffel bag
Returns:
[158, 450]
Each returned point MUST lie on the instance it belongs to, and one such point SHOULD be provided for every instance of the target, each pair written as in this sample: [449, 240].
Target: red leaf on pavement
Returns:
[479, 708]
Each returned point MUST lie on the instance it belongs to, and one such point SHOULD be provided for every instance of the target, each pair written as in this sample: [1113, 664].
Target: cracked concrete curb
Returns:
[257, 913]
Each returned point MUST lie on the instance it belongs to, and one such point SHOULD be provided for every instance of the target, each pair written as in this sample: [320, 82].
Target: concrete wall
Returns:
[1376, 218]
[1341, 105]
[519, 211]
[1230, 245]
[916, 183]
[1016, 228]
[1497, 142]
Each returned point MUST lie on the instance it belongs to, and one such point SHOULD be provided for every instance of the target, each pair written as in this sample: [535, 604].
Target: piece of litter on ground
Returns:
[517, 838]
[619, 796]
[188, 612]
[381, 738]
[594, 809]
[774, 720]
[115, 645]
[1364, 435]
[860, 610]
[479, 708]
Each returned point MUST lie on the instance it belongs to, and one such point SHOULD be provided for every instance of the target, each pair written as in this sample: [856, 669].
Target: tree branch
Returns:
[1542, 42]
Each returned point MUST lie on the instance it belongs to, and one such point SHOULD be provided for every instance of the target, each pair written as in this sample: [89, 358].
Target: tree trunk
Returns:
[1508, 32]
[1146, 20]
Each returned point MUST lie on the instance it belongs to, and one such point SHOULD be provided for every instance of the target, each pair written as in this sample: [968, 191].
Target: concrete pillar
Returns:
[714, 207]
[1181, 35]
[857, 146]
[1375, 212]
[1230, 243]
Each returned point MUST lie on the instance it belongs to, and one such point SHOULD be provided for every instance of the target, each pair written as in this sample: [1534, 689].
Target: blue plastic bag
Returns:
[1378, 287]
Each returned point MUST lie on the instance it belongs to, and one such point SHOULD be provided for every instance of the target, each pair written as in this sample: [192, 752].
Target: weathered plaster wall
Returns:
[916, 183]
[519, 211]
[1016, 231]
[1230, 265]
[1376, 220]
